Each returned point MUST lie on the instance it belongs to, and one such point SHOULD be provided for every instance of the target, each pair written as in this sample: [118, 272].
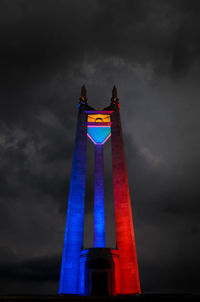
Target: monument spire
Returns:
[114, 93]
[99, 270]
[83, 104]
[83, 93]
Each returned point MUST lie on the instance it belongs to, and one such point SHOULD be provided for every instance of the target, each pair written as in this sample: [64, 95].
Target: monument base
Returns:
[99, 272]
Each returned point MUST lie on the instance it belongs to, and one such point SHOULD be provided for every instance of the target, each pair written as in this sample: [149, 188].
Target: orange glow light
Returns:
[98, 118]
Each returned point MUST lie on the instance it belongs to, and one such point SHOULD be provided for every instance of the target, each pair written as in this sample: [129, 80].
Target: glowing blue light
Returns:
[99, 212]
[99, 134]
[73, 241]
[99, 221]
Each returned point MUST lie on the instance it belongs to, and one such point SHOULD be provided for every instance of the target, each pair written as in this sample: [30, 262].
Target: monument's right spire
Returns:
[114, 93]
[114, 105]
[115, 100]
[125, 238]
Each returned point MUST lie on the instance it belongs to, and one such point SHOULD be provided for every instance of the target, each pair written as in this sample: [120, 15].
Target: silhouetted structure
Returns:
[99, 270]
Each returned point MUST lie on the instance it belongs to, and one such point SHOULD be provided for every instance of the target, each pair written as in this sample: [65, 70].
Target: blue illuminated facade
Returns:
[73, 240]
[72, 276]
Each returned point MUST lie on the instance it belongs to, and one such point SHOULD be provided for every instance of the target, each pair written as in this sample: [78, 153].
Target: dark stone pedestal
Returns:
[99, 272]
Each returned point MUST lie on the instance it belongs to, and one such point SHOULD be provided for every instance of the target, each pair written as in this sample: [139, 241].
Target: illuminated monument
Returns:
[99, 270]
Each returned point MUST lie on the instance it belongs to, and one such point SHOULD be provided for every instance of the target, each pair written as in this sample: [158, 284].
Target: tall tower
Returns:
[99, 270]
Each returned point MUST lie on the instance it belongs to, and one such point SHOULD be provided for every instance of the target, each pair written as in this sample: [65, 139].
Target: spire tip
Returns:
[83, 93]
[114, 92]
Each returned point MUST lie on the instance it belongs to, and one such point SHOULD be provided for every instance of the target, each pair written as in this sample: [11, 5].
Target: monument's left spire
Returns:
[83, 104]
[73, 240]
[83, 93]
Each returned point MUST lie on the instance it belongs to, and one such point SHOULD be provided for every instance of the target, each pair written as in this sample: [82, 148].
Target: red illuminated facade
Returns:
[99, 270]
[125, 239]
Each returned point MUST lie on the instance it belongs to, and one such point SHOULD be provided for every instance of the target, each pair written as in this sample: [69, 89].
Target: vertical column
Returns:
[99, 212]
[125, 239]
[73, 240]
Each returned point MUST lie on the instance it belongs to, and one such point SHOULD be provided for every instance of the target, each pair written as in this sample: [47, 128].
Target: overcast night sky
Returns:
[150, 49]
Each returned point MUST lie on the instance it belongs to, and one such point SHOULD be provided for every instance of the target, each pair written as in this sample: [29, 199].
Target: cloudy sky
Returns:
[150, 49]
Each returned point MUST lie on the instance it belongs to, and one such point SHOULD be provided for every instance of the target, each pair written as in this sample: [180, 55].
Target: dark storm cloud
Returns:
[36, 37]
[35, 272]
[38, 40]
[42, 269]
[150, 50]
